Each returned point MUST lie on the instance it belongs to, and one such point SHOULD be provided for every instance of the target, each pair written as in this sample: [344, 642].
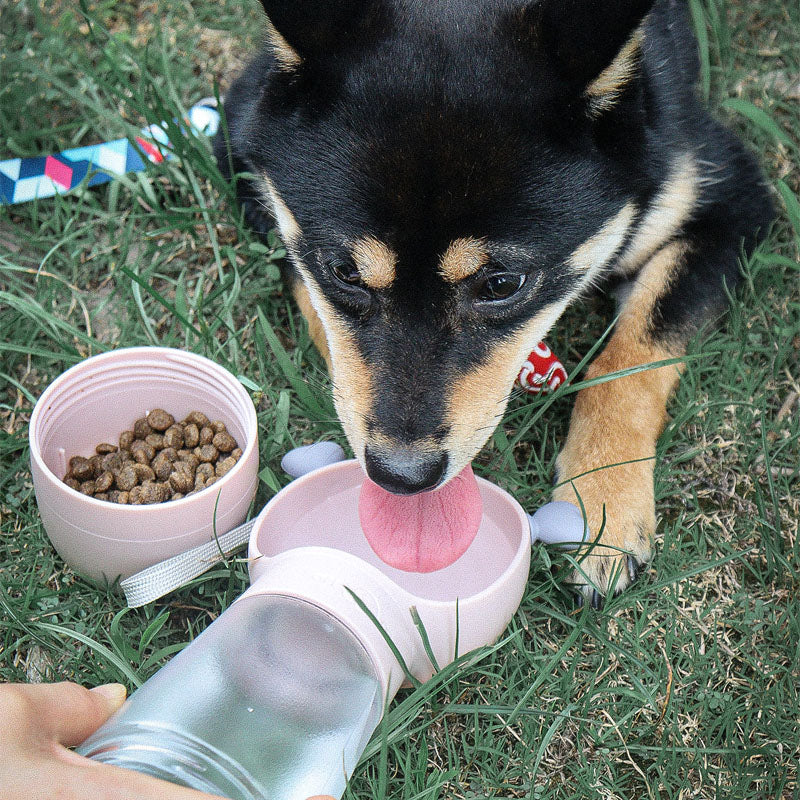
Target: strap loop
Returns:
[168, 575]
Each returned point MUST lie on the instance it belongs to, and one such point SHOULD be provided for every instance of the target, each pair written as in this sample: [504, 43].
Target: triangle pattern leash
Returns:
[25, 179]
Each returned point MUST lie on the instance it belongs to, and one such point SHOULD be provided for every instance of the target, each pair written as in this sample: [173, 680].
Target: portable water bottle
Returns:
[278, 698]
[275, 699]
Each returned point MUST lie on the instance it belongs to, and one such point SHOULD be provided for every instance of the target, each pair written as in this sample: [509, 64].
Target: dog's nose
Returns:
[402, 472]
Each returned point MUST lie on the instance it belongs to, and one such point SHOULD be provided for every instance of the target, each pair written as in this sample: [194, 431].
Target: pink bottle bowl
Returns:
[94, 402]
[308, 543]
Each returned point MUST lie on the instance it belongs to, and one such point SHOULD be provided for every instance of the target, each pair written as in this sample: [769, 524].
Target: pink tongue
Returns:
[421, 532]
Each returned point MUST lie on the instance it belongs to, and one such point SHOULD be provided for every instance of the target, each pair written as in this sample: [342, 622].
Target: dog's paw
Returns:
[618, 501]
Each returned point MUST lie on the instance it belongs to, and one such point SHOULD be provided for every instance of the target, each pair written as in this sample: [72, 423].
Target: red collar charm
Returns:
[542, 371]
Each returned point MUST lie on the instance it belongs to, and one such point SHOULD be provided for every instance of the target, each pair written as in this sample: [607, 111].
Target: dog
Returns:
[448, 177]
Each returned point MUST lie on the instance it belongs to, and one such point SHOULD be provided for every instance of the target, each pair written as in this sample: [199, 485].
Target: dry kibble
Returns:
[158, 460]
[205, 471]
[156, 441]
[140, 456]
[126, 479]
[192, 460]
[143, 452]
[170, 453]
[196, 418]
[181, 479]
[162, 467]
[208, 453]
[144, 472]
[173, 437]
[185, 465]
[224, 442]
[160, 420]
[141, 428]
[225, 466]
[104, 481]
[81, 468]
[112, 462]
[154, 493]
[191, 435]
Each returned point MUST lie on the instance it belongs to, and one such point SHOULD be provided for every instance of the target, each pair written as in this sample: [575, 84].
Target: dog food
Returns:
[159, 460]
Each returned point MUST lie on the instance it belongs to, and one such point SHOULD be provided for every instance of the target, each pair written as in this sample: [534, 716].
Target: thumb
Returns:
[69, 713]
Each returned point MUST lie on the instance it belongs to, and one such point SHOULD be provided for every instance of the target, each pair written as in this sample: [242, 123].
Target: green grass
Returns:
[685, 686]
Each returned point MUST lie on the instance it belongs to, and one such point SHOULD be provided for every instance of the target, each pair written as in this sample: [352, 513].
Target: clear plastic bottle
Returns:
[276, 700]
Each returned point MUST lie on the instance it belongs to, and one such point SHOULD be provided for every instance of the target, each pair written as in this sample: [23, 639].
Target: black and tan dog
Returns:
[448, 175]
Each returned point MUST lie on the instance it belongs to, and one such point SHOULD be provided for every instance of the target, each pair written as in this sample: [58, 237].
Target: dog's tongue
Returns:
[421, 532]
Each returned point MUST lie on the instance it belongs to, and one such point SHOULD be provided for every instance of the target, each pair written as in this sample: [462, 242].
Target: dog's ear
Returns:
[304, 30]
[593, 45]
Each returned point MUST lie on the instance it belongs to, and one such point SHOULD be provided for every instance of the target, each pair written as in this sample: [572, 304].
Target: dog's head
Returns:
[447, 176]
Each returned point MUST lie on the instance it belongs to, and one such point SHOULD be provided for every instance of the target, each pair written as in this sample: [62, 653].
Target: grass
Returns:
[687, 685]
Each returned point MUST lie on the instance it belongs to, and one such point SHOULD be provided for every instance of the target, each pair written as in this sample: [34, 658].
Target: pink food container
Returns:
[94, 402]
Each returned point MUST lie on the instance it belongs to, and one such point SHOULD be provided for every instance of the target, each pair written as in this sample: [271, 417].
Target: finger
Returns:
[79, 778]
[96, 780]
[67, 712]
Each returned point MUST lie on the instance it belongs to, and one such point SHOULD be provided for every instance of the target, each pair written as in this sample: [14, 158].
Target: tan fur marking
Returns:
[597, 250]
[287, 57]
[315, 326]
[464, 257]
[667, 213]
[353, 391]
[288, 227]
[388, 444]
[620, 421]
[606, 88]
[375, 261]
[478, 399]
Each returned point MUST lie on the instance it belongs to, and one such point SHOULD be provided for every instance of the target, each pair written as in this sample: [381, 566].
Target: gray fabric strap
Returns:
[158, 580]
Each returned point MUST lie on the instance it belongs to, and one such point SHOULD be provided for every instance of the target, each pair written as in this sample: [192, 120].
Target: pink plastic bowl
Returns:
[308, 543]
[94, 402]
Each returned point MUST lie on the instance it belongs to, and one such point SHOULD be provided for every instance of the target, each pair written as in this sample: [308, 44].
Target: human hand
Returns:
[40, 723]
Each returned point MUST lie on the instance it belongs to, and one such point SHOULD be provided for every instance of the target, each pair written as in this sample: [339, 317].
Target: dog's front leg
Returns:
[606, 465]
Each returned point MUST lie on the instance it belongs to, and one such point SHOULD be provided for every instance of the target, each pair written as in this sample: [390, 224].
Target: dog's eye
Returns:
[499, 286]
[346, 272]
